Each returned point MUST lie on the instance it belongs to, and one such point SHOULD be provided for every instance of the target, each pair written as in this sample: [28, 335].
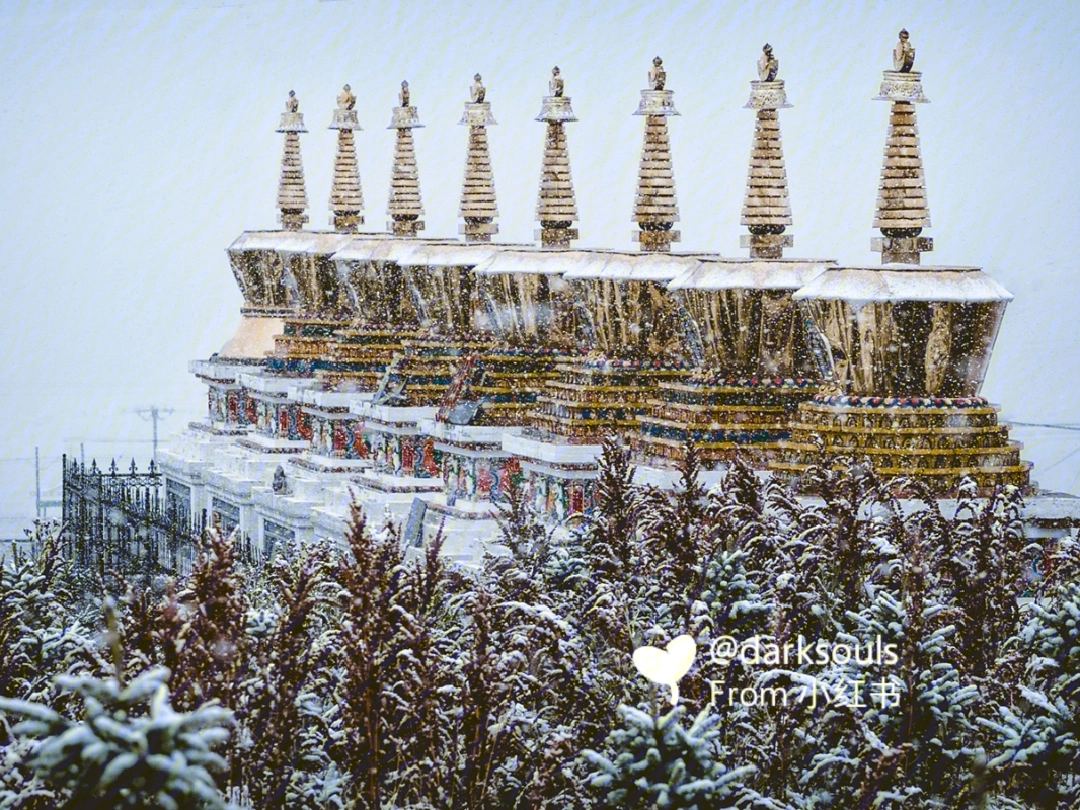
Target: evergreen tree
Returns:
[1037, 751]
[125, 746]
[655, 762]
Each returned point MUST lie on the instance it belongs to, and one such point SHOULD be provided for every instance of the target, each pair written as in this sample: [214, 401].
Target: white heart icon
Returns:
[667, 666]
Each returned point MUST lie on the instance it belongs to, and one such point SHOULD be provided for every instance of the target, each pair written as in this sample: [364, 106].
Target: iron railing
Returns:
[119, 522]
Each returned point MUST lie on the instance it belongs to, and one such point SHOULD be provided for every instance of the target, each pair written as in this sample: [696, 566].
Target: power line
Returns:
[112, 440]
[1064, 458]
[1045, 425]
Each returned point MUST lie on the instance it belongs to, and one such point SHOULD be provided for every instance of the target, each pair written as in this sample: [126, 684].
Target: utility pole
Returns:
[155, 414]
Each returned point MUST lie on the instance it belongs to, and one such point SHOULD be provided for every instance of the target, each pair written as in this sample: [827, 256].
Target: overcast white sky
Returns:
[138, 141]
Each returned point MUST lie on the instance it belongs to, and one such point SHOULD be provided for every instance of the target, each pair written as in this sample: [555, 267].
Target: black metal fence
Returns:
[120, 521]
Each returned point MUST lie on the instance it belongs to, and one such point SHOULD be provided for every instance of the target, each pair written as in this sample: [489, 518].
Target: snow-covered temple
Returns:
[424, 377]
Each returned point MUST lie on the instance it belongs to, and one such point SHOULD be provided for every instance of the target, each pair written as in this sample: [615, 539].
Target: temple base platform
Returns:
[596, 397]
[723, 417]
[935, 441]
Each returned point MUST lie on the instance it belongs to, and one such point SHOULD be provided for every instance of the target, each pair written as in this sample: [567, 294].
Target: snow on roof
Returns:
[750, 274]
[577, 263]
[401, 249]
[381, 247]
[532, 262]
[631, 266]
[454, 254]
[360, 248]
[900, 282]
[292, 241]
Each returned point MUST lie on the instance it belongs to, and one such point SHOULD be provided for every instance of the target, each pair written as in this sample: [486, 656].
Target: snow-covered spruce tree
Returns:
[41, 631]
[730, 605]
[1036, 754]
[655, 761]
[125, 747]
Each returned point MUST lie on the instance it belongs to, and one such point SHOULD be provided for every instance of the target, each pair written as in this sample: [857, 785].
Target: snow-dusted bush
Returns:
[41, 629]
[124, 747]
[654, 761]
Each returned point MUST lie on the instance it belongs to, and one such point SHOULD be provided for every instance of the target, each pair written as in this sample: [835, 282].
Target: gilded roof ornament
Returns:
[768, 65]
[903, 53]
[657, 74]
[556, 85]
[346, 99]
[477, 91]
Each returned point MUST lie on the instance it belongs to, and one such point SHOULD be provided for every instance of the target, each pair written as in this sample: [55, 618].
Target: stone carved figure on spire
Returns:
[903, 54]
[346, 99]
[555, 86]
[478, 91]
[403, 96]
[768, 65]
[292, 103]
[657, 74]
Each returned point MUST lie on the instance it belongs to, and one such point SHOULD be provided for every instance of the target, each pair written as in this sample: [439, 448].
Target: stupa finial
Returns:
[766, 210]
[346, 194]
[657, 74]
[902, 211]
[292, 195]
[556, 207]
[478, 207]
[903, 53]
[656, 208]
[346, 99]
[405, 206]
[556, 85]
[477, 92]
[768, 65]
